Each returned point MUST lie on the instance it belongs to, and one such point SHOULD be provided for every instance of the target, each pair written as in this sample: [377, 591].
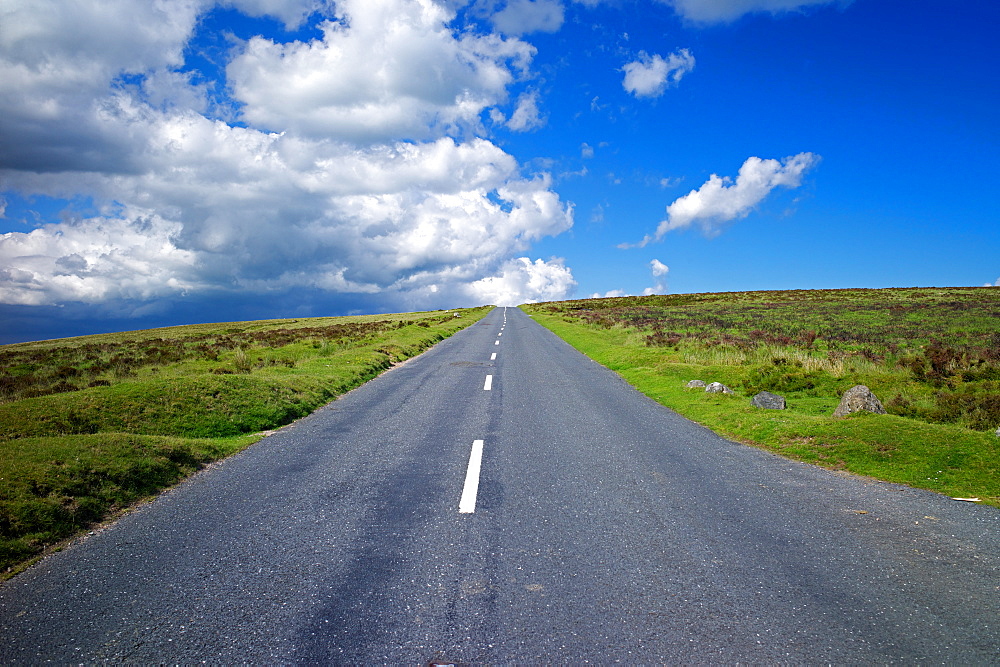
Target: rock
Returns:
[695, 383]
[998, 432]
[856, 399]
[768, 401]
[718, 388]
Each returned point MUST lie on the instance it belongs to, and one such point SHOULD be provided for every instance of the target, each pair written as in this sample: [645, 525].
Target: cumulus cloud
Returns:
[650, 75]
[527, 115]
[244, 210]
[610, 294]
[721, 199]
[388, 70]
[523, 281]
[723, 11]
[61, 100]
[993, 284]
[519, 17]
[352, 174]
[95, 260]
[659, 270]
[290, 12]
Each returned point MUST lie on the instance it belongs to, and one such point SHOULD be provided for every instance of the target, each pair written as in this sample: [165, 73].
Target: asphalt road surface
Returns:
[502, 499]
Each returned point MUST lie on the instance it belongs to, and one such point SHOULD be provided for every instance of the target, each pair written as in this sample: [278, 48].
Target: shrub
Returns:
[784, 376]
[241, 360]
[976, 406]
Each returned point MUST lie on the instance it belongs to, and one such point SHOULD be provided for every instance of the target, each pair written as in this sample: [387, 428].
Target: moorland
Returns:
[932, 355]
[91, 425]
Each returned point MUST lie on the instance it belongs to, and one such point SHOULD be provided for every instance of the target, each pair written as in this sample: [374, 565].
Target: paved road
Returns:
[605, 528]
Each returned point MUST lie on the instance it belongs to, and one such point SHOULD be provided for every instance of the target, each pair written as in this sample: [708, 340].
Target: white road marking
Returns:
[493, 356]
[489, 383]
[497, 343]
[467, 505]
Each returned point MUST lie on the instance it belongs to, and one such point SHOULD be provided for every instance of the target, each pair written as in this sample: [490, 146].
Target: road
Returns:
[601, 528]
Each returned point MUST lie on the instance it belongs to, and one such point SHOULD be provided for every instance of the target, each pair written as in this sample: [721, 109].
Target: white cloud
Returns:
[245, 210]
[523, 281]
[96, 260]
[721, 199]
[391, 70]
[649, 76]
[361, 187]
[291, 12]
[659, 270]
[99, 37]
[716, 11]
[61, 103]
[994, 284]
[526, 116]
[586, 151]
[610, 294]
[523, 16]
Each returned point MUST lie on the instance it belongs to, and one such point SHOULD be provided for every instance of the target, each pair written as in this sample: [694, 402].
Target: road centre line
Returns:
[493, 356]
[489, 383]
[497, 343]
[467, 504]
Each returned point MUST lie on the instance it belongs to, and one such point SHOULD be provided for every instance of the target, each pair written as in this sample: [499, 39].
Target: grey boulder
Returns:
[768, 401]
[718, 388]
[858, 398]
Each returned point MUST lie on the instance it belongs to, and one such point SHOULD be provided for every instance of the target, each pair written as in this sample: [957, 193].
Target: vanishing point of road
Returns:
[502, 499]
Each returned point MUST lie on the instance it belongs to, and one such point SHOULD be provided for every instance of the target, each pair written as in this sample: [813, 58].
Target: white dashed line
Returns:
[493, 357]
[467, 505]
[489, 383]
[497, 343]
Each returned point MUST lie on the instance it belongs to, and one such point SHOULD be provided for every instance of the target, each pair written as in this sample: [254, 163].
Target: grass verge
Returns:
[948, 459]
[91, 425]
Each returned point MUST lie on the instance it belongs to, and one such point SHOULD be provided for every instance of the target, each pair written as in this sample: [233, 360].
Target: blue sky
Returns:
[190, 161]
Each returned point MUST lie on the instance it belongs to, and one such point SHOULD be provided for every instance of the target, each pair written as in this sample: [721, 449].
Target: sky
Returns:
[178, 161]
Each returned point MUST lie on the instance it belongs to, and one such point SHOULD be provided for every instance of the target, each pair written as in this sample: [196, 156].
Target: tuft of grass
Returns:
[90, 425]
[939, 435]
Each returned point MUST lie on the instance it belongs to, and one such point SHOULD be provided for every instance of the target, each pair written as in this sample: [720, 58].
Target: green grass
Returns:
[91, 425]
[52, 487]
[923, 447]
